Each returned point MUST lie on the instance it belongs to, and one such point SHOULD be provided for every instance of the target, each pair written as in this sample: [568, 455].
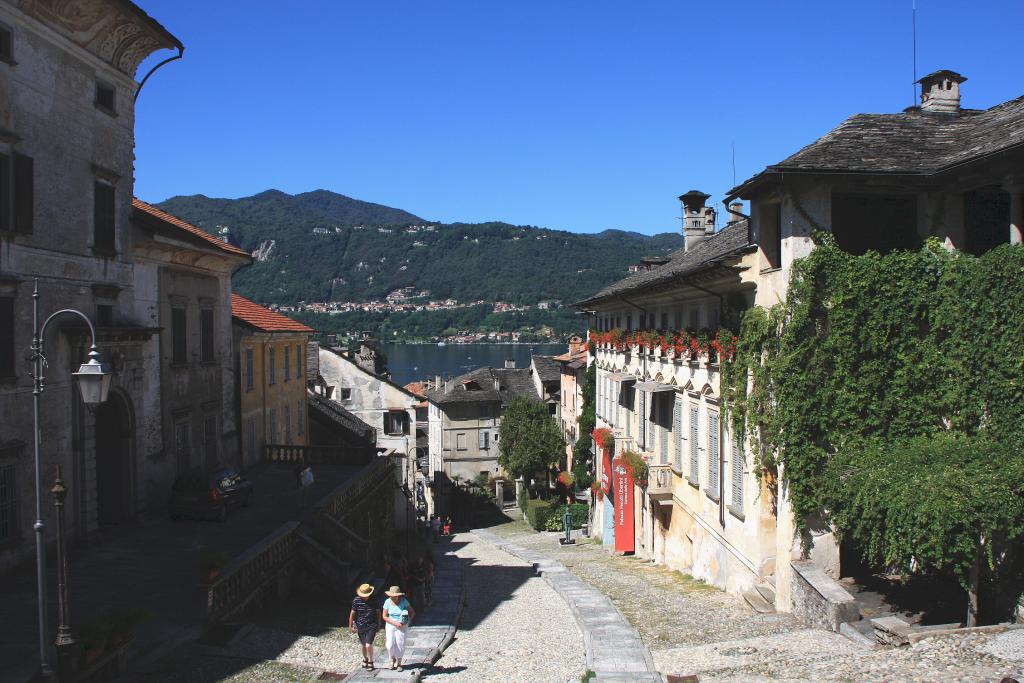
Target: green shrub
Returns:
[578, 514]
[537, 513]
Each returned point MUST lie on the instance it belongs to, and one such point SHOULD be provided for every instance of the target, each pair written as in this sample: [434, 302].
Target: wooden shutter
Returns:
[713, 453]
[103, 216]
[677, 431]
[24, 194]
[642, 422]
[287, 363]
[663, 429]
[737, 473]
[206, 334]
[694, 453]
[5, 192]
[7, 354]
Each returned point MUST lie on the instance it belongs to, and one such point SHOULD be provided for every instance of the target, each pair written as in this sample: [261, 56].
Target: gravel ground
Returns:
[692, 628]
[514, 626]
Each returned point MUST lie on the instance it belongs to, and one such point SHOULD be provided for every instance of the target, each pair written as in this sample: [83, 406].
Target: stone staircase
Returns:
[761, 597]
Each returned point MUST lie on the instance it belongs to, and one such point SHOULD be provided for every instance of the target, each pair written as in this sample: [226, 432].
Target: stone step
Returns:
[758, 603]
[767, 592]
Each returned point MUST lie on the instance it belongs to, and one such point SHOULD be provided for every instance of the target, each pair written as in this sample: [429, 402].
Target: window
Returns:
[879, 223]
[206, 335]
[17, 193]
[677, 432]
[183, 445]
[713, 455]
[287, 355]
[288, 424]
[485, 440]
[695, 317]
[664, 412]
[249, 379]
[104, 315]
[8, 503]
[694, 452]
[642, 421]
[299, 365]
[395, 422]
[272, 435]
[7, 353]
[737, 474]
[272, 374]
[105, 98]
[179, 337]
[460, 441]
[6, 55]
[299, 416]
[664, 321]
[103, 216]
[345, 394]
[770, 235]
[210, 440]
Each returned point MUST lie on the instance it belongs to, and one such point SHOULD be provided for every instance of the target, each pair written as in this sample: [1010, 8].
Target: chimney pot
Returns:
[696, 218]
[940, 91]
[510, 364]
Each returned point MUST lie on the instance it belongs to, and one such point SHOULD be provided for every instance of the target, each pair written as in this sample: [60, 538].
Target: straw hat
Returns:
[365, 590]
[394, 592]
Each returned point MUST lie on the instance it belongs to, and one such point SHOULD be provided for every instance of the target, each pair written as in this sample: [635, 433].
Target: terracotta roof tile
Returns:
[176, 223]
[263, 318]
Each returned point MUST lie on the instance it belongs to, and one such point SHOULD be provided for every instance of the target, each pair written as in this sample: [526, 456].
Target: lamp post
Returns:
[94, 385]
[65, 643]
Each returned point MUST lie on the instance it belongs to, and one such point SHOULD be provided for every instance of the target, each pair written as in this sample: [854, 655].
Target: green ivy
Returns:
[872, 363]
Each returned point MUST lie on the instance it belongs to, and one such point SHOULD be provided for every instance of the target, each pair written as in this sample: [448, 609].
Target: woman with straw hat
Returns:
[364, 620]
[397, 615]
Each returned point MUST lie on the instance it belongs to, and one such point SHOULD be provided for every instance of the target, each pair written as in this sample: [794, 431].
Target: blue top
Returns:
[399, 612]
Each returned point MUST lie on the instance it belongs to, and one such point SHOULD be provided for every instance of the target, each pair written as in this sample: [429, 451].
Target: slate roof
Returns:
[183, 229]
[264, 319]
[334, 412]
[912, 142]
[731, 240]
[547, 368]
[513, 382]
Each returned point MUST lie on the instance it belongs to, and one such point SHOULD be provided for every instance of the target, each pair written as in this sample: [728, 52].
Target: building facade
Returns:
[67, 86]
[270, 361]
[572, 367]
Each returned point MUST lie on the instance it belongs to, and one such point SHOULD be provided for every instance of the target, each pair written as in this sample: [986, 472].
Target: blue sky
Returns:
[570, 115]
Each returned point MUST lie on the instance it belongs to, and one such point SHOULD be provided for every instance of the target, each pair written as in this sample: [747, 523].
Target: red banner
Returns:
[624, 528]
[606, 470]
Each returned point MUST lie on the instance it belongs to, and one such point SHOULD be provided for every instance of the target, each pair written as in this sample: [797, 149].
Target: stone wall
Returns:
[818, 600]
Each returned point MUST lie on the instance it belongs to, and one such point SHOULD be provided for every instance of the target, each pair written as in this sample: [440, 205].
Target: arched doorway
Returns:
[113, 461]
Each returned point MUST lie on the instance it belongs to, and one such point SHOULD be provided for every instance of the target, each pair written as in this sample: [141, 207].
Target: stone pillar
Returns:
[499, 494]
[1016, 192]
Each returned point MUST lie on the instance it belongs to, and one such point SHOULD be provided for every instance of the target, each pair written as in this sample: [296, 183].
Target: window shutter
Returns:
[642, 422]
[482, 439]
[737, 473]
[677, 431]
[24, 194]
[179, 339]
[713, 454]
[694, 453]
[5, 192]
[663, 429]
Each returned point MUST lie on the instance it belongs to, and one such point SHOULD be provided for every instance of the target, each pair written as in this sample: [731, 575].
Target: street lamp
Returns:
[94, 384]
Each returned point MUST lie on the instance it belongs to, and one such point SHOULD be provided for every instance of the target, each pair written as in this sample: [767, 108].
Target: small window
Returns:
[287, 363]
[272, 374]
[249, 379]
[103, 216]
[179, 336]
[6, 51]
[8, 502]
[345, 394]
[105, 98]
[485, 440]
[7, 353]
[299, 365]
[395, 422]
[460, 441]
[104, 315]
[206, 335]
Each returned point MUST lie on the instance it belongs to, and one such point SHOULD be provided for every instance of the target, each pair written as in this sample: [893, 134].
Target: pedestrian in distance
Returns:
[397, 615]
[435, 528]
[448, 526]
[303, 478]
[364, 620]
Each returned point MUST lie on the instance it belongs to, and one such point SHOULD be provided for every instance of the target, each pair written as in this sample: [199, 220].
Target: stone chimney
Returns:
[698, 220]
[575, 344]
[510, 363]
[734, 209]
[940, 92]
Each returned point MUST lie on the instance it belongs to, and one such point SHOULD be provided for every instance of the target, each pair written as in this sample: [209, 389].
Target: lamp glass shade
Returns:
[93, 382]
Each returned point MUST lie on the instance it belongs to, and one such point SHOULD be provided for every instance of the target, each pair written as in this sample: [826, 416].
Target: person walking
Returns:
[435, 528]
[448, 526]
[397, 615]
[365, 621]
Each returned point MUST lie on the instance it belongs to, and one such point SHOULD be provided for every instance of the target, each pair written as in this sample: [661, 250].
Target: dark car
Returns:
[209, 494]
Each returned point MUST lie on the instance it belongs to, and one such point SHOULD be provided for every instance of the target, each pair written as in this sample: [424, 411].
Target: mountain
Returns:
[319, 246]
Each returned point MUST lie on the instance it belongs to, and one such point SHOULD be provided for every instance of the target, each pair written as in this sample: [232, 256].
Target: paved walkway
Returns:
[614, 649]
[153, 565]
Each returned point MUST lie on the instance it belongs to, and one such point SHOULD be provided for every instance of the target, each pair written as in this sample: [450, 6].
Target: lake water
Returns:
[412, 362]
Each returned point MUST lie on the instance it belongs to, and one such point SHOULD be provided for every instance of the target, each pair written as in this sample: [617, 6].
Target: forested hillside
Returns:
[320, 246]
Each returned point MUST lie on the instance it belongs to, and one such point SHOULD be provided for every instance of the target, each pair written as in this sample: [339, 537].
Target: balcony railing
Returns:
[320, 455]
[659, 483]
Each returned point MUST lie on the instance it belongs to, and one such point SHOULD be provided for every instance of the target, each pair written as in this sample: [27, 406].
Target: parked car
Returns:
[209, 494]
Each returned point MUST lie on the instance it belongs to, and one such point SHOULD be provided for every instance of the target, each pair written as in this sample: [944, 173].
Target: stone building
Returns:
[547, 382]
[67, 87]
[572, 367]
[463, 420]
[270, 361]
[877, 181]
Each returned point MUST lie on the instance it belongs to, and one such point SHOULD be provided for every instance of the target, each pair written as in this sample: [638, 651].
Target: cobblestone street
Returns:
[693, 629]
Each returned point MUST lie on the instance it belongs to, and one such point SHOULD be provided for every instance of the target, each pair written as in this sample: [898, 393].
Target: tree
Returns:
[529, 440]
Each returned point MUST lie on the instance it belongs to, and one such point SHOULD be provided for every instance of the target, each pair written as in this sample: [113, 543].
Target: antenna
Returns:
[913, 38]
